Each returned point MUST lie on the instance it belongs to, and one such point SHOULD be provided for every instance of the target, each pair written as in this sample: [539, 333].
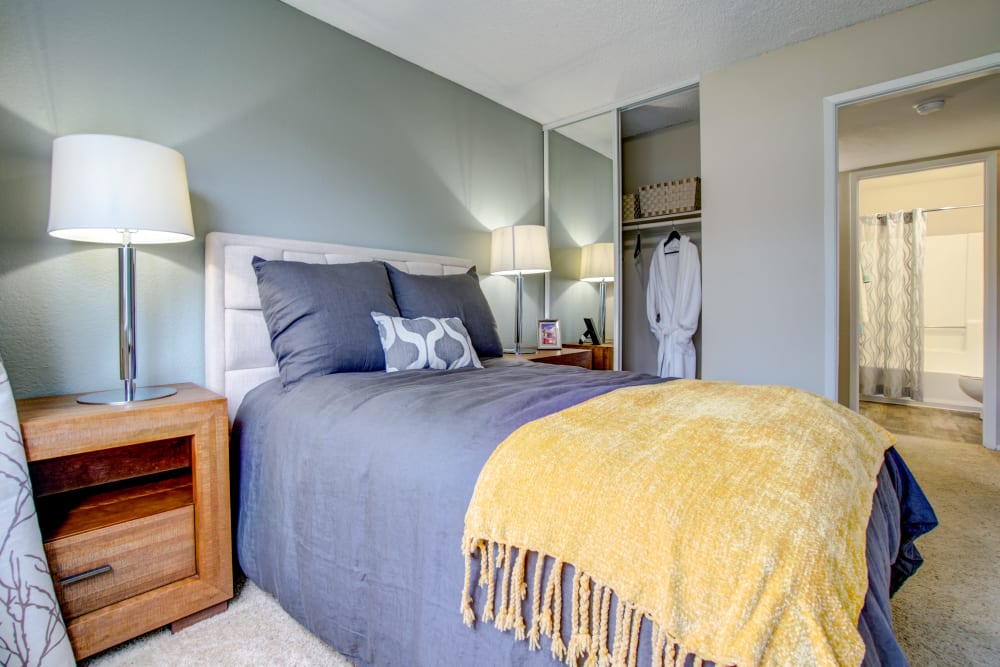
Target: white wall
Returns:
[762, 169]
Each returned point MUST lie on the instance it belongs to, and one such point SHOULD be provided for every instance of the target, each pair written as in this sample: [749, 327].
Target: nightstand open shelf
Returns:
[133, 504]
[73, 512]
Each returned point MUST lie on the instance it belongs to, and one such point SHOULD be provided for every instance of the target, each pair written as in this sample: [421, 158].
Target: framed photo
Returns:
[549, 337]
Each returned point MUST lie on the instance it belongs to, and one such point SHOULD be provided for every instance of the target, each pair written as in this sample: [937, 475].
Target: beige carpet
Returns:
[254, 631]
[945, 615]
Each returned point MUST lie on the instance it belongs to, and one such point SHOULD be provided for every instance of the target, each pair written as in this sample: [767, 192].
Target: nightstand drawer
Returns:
[143, 554]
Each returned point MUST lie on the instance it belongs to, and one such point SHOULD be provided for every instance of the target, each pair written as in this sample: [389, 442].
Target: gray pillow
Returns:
[319, 315]
[425, 342]
[457, 295]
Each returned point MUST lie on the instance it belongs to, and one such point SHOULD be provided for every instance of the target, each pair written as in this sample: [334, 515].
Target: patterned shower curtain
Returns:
[891, 341]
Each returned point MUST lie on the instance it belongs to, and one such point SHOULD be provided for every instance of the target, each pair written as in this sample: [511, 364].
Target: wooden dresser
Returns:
[133, 503]
[563, 357]
[604, 354]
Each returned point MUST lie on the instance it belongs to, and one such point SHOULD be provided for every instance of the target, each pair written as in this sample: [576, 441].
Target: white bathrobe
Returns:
[673, 303]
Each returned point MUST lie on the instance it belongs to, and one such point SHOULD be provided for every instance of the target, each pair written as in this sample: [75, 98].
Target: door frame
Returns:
[989, 64]
[989, 161]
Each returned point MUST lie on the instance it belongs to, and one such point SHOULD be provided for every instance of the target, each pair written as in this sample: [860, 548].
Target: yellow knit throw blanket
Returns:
[732, 517]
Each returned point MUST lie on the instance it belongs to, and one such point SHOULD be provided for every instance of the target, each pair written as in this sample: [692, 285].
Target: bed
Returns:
[353, 485]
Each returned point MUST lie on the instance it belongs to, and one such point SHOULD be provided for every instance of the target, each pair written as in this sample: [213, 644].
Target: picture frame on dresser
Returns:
[549, 336]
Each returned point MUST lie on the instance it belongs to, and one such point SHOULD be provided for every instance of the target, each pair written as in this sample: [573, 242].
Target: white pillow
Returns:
[425, 342]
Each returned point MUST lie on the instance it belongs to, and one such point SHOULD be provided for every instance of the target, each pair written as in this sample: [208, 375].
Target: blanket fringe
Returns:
[518, 591]
[633, 645]
[558, 647]
[535, 634]
[590, 616]
[604, 655]
[595, 628]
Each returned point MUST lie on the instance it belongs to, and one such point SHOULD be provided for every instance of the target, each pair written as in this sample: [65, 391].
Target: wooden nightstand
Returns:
[564, 357]
[133, 503]
[604, 354]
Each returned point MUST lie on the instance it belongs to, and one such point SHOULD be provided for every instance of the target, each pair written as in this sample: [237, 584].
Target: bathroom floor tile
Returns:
[928, 422]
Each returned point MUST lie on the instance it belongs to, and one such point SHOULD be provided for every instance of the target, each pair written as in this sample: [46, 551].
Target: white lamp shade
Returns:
[520, 249]
[597, 262]
[103, 185]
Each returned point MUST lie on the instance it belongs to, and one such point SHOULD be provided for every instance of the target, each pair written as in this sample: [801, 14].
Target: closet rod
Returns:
[626, 227]
[951, 208]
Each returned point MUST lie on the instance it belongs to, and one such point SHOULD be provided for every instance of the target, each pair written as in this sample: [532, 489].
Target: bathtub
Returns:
[941, 390]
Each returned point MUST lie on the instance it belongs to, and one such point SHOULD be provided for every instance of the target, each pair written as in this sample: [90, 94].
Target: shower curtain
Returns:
[891, 340]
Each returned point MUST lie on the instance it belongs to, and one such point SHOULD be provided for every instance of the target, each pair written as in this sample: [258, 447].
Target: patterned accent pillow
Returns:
[425, 342]
[31, 626]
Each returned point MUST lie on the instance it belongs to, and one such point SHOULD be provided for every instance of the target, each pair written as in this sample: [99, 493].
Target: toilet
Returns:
[972, 386]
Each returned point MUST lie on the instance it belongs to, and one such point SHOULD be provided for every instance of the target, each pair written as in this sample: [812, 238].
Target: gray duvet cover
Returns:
[352, 496]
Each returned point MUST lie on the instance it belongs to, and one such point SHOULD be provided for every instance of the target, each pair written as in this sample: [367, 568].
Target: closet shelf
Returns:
[670, 220]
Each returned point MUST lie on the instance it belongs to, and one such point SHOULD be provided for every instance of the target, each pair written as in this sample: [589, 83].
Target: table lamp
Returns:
[110, 189]
[516, 251]
[597, 265]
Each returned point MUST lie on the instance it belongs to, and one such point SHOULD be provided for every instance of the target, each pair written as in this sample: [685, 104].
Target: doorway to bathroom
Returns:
[918, 232]
[931, 120]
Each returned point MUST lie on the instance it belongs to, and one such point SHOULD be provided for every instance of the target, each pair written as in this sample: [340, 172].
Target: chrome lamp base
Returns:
[119, 397]
[126, 339]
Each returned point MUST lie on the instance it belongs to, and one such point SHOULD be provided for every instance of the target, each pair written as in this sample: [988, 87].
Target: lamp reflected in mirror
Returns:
[597, 265]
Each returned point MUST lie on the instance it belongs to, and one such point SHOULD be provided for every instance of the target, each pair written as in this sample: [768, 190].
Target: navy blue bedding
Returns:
[352, 495]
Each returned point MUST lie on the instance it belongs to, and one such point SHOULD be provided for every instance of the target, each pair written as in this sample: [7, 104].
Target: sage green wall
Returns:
[289, 128]
[581, 212]
[762, 159]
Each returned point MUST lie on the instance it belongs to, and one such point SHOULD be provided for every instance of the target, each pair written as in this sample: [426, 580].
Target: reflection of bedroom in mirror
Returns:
[581, 212]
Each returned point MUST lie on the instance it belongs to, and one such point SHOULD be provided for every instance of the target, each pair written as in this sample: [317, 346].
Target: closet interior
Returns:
[660, 144]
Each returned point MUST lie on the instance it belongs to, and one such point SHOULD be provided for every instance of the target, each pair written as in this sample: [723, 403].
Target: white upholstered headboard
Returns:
[238, 353]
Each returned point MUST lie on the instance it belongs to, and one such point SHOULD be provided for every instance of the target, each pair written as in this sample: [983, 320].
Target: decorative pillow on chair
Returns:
[425, 342]
[457, 295]
[318, 315]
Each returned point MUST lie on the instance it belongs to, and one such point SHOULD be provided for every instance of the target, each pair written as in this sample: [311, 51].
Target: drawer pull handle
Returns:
[72, 579]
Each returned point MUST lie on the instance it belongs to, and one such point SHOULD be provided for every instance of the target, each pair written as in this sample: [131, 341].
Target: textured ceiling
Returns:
[555, 59]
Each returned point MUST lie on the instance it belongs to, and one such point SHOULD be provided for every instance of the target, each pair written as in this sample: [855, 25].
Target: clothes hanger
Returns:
[674, 235]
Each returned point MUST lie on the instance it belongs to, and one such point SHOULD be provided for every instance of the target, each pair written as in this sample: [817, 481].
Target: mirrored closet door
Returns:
[582, 189]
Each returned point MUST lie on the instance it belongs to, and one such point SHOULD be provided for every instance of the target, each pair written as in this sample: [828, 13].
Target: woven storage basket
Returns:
[671, 197]
[630, 207]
